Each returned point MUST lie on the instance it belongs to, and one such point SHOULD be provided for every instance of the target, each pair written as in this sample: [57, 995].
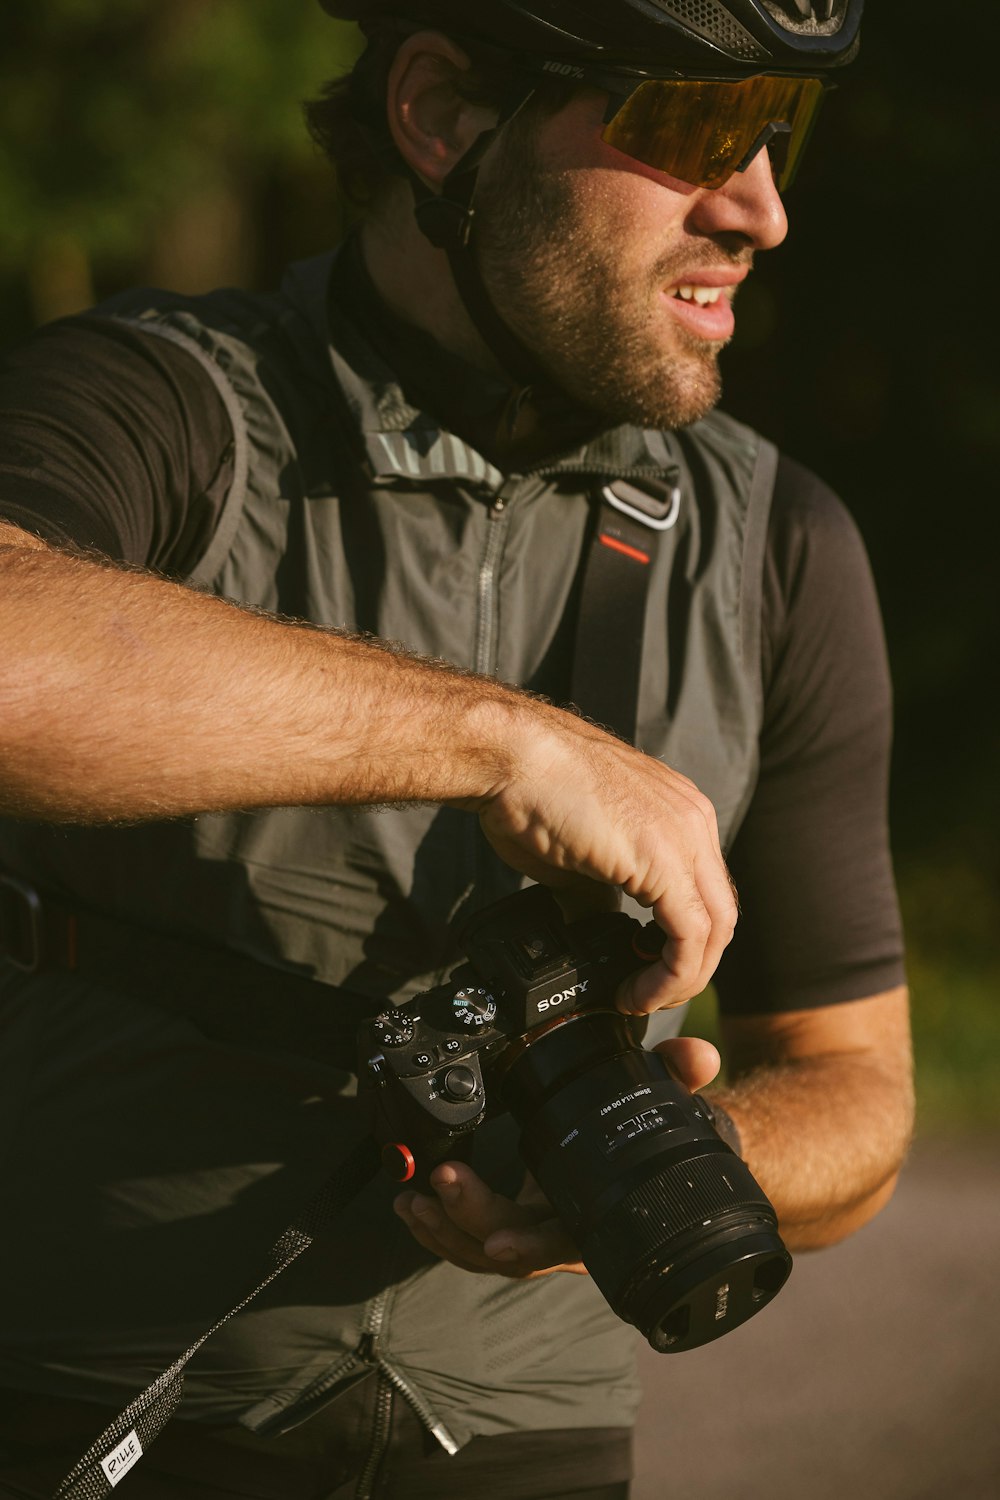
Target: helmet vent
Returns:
[711, 20]
[808, 17]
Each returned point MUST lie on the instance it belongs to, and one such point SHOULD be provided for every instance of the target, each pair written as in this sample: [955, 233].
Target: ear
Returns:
[432, 125]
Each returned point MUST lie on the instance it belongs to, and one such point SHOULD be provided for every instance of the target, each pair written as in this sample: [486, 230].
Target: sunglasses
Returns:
[701, 131]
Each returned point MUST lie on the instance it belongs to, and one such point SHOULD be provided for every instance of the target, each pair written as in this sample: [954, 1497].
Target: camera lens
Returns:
[672, 1225]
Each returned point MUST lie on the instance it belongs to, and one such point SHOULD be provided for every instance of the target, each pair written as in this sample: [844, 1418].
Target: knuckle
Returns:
[699, 924]
[707, 809]
[723, 915]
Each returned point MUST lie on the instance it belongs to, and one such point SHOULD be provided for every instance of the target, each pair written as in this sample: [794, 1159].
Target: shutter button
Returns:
[460, 1083]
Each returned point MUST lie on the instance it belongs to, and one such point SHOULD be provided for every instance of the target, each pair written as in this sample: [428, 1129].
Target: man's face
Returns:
[619, 278]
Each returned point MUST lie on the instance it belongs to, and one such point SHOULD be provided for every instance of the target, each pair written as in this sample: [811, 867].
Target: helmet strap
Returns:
[448, 220]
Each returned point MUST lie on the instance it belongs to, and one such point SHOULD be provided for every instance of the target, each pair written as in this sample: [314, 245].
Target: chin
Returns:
[675, 394]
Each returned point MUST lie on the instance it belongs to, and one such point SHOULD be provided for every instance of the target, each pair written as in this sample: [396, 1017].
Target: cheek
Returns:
[629, 221]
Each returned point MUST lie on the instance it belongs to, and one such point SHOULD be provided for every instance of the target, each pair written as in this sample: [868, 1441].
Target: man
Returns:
[243, 831]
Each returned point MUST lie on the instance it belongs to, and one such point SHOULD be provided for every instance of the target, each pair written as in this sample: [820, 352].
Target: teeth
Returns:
[700, 294]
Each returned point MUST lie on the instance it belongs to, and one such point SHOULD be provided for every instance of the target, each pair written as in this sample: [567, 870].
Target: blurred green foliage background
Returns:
[161, 141]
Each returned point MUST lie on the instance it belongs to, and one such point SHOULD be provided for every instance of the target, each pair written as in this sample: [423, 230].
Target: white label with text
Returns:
[126, 1454]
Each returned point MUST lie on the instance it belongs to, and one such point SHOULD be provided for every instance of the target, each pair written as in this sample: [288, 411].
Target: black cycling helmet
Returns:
[703, 38]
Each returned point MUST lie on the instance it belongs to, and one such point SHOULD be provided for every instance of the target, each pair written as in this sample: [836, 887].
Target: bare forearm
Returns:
[826, 1171]
[825, 1135]
[125, 696]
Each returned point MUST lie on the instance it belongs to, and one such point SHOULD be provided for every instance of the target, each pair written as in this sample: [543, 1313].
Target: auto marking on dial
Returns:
[474, 1008]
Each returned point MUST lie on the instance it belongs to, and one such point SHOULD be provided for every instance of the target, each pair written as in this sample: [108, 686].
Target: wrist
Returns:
[500, 727]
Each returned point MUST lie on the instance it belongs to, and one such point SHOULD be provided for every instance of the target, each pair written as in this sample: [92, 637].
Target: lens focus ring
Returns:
[666, 1206]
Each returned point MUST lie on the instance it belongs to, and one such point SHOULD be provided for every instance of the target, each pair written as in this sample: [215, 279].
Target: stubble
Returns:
[552, 265]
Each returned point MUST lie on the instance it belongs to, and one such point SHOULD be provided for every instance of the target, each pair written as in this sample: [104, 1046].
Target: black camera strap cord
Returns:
[123, 1442]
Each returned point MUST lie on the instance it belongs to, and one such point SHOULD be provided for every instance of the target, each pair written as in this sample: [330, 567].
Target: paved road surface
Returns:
[875, 1375]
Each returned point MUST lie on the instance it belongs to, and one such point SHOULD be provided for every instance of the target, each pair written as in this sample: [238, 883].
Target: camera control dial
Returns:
[394, 1028]
[473, 1008]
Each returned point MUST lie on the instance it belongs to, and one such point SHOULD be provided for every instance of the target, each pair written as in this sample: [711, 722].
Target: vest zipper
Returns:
[390, 1379]
[366, 1353]
[496, 534]
[381, 1431]
[427, 1416]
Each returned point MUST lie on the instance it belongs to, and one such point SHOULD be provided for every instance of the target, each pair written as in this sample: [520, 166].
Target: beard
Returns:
[549, 262]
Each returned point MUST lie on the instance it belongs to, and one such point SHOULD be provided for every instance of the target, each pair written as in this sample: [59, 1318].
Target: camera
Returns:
[671, 1224]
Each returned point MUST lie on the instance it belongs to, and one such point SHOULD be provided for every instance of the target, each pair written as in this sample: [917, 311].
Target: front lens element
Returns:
[701, 132]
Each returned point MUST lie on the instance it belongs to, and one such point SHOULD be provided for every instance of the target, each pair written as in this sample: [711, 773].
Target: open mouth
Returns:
[703, 295]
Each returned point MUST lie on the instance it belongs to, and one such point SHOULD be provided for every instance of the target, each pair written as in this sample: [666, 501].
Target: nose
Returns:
[748, 205]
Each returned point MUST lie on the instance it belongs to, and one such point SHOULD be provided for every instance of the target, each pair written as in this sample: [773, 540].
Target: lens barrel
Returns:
[672, 1225]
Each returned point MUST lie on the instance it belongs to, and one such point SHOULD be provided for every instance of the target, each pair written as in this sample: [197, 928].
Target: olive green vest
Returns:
[351, 509]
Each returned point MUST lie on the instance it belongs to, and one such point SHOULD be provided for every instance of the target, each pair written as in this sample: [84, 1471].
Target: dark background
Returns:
[161, 141]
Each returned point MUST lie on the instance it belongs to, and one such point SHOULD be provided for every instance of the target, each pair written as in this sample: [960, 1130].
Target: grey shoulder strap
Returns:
[754, 546]
[635, 520]
[751, 600]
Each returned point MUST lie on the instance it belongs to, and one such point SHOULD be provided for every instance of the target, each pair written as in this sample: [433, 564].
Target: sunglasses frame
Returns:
[620, 86]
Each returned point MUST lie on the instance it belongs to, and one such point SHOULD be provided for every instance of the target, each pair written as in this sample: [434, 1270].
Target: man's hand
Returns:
[466, 1223]
[583, 807]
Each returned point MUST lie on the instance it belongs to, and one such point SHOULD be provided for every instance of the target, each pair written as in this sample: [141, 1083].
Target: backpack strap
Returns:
[635, 519]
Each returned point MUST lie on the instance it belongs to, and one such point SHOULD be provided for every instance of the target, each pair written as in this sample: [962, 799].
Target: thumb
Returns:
[691, 1060]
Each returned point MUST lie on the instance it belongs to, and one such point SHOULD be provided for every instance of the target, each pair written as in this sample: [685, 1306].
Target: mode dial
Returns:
[473, 1008]
[394, 1029]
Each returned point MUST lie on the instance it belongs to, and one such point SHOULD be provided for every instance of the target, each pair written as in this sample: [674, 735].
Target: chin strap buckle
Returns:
[445, 222]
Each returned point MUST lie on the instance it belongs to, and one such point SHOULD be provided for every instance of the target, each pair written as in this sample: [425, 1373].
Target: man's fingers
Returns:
[517, 1238]
[426, 1230]
[697, 917]
[692, 1061]
[528, 1252]
[469, 1225]
[472, 1206]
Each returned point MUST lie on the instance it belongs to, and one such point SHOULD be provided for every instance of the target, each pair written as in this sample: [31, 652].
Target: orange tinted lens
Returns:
[700, 132]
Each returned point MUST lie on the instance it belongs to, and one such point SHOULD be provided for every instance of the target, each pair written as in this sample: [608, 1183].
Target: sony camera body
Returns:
[670, 1222]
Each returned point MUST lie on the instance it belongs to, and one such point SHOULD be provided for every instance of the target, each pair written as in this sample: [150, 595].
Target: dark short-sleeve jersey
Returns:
[115, 440]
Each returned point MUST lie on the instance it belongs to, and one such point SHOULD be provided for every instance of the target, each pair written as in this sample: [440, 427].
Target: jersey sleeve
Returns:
[819, 920]
[115, 440]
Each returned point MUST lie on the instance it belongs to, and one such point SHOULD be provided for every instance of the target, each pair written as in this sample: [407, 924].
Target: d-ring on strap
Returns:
[632, 522]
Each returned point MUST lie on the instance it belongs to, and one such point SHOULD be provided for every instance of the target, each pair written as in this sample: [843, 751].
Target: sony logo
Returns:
[561, 995]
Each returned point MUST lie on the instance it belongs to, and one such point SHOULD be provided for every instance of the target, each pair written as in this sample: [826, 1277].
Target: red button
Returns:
[397, 1160]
